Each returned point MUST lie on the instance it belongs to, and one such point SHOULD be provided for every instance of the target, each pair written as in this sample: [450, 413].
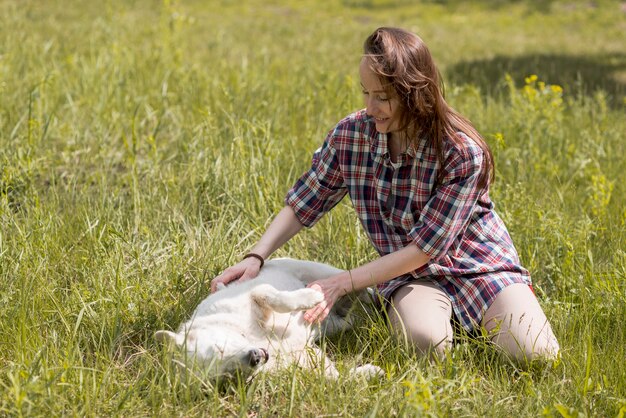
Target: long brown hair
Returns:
[405, 66]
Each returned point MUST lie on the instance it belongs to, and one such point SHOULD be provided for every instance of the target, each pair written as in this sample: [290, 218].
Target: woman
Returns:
[418, 175]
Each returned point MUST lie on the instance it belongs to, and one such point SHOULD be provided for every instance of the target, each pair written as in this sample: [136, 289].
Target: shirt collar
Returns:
[378, 142]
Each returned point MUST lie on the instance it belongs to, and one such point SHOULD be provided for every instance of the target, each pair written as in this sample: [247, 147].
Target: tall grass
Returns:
[145, 145]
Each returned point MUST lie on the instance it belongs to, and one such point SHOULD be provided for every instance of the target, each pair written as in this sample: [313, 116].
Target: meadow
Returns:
[145, 145]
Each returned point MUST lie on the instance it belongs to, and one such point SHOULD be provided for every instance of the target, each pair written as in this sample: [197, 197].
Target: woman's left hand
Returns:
[332, 290]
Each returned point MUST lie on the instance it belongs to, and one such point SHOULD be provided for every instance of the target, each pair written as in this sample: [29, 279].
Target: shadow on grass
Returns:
[542, 6]
[576, 74]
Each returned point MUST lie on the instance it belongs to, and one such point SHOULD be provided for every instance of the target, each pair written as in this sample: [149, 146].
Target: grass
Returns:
[145, 145]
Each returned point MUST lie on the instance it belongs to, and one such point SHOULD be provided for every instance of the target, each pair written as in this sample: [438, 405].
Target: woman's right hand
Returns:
[282, 228]
[246, 269]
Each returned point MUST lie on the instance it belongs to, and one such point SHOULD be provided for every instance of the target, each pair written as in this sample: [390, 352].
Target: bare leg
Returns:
[421, 312]
[516, 323]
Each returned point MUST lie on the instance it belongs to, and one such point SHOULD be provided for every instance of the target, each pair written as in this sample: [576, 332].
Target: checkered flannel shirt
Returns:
[472, 255]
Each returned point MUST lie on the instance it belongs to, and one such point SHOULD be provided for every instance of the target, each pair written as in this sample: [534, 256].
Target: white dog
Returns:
[258, 324]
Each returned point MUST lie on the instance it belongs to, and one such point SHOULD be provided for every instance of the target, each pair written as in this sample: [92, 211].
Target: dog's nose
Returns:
[256, 356]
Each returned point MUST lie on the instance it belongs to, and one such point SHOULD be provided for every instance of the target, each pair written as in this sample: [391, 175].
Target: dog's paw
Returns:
[310, 297]
[368, 371]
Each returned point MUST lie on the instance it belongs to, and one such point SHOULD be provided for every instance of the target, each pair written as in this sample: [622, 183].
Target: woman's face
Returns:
[379, 104]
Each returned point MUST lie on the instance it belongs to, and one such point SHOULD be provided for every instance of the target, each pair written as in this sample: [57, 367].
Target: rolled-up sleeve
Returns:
[320, 188]
[445, 217]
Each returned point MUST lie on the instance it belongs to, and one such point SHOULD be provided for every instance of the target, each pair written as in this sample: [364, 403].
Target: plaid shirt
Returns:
[472, 255]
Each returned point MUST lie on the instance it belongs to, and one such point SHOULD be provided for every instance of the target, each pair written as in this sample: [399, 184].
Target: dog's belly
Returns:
[289, 339]
[289, 327]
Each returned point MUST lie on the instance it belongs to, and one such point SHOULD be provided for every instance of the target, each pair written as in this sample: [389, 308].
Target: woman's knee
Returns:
[424, 337]
[420, 313]
[516, 324]
[525, 345]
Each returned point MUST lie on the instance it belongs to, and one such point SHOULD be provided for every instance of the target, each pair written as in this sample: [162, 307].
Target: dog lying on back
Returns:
[258, 325]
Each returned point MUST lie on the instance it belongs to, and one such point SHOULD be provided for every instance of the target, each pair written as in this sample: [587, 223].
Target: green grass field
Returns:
[144, 145]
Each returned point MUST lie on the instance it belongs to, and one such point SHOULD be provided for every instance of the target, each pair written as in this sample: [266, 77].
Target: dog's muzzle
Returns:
[257, 356]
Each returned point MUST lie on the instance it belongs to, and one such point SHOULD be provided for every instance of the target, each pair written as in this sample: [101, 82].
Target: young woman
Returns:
[418, 175]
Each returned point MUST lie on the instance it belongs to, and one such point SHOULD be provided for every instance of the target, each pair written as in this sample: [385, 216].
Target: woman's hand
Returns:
[332, 288]
[246, 269]
[371, 274]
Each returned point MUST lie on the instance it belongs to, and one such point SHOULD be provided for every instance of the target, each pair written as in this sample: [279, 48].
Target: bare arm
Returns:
[281, 230]
[284, 226]
[378, 271]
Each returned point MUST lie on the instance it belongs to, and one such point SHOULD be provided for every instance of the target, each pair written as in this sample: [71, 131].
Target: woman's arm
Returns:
[281, 230]
[375, 272]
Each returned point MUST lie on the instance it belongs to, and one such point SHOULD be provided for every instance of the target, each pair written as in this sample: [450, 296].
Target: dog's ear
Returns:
[169, 337]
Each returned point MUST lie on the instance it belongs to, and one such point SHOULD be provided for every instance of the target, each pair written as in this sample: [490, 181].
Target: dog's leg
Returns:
[268, 297]
[330, 371]
[315, 358]
[368, 371]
